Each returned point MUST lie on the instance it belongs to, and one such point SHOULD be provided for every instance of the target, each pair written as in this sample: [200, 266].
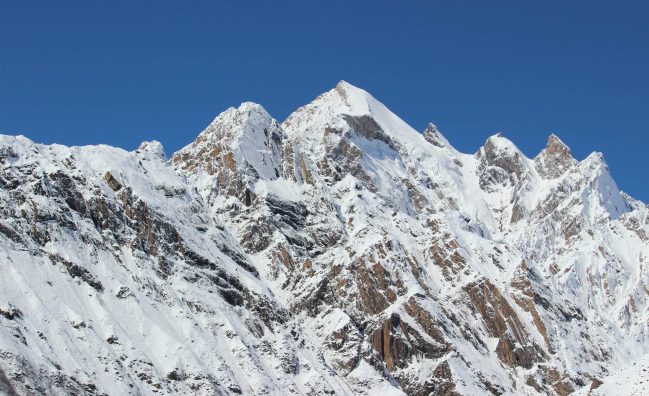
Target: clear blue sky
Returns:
[120, 72]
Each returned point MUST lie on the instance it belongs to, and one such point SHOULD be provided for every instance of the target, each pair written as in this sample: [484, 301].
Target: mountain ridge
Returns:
[337, 252]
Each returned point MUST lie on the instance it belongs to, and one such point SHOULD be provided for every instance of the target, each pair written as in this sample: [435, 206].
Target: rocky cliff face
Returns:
[339, 252]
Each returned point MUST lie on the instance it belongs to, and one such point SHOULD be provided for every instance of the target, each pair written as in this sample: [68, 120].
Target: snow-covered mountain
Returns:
[339, 252]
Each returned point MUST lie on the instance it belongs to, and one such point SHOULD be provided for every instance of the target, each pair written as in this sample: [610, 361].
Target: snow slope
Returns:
[631, 380]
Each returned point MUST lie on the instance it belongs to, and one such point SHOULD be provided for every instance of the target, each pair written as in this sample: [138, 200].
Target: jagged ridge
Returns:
[339, 252]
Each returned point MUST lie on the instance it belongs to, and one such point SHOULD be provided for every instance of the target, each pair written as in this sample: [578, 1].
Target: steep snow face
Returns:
[601, 197]
[340, 252]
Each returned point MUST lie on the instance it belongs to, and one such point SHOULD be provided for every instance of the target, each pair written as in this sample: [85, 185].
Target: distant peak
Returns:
[345, 86]
[341, 84]
[595, 159]
[251, 106]
[355, 100]
[334, 108]
[552, 139]
[604, 192]
[500, 152]
[243, 142]
[241, 114]
[555, 159]
[556, 144]
[152, 148]
[499, 142]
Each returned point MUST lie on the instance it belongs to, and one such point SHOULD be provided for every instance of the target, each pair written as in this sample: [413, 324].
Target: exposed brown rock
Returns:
[285, 258]
[390, 341]
[560, 383]
[445, 254]
[501, 321]
[306, 175]
[112, 182]
[429, 324]
[526, 299]
[555, 159]
[596, 383]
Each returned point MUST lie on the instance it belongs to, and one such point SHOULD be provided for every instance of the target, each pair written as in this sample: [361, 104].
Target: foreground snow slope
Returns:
[338, 252]
[631, 380]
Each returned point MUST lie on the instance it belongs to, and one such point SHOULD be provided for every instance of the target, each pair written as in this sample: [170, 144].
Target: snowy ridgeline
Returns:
[338, 252]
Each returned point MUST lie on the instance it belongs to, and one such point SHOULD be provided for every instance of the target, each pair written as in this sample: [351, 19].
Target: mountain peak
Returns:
[594, 161]
[251, 106]
[500, 152]
[343, 85]
[554, 141]
[604, 192]
[555, 159]
[353, 95]
[240, 114]
[240, 144]
[355, 101]
[333, 108]
[151, 149]
[496, 144]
